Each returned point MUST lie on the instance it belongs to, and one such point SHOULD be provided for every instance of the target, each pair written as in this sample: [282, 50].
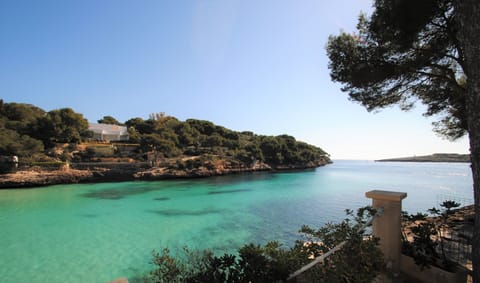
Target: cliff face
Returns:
[208, 170]
[98, 172]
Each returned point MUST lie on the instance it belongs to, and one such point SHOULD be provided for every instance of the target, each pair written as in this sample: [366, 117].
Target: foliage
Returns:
[18, 122]
[63, 126]
[12, 143]
[406, 51]
[360, 260]
[27, 130]
[49, 164]
[427, 247]
[169, 137]
[20, 117]
[426, 51]
[157, 143]
[109, 120]
[177, 269]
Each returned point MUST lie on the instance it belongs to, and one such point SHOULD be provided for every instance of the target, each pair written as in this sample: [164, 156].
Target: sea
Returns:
[103, 231]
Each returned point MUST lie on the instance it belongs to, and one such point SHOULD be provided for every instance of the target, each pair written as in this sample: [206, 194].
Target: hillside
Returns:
[158, 147]
[437, 157]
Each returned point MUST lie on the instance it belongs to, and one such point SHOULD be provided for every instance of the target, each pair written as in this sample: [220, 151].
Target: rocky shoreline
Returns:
[36, 177]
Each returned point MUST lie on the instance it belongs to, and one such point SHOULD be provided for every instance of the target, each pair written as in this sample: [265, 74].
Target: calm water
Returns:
[99, 232]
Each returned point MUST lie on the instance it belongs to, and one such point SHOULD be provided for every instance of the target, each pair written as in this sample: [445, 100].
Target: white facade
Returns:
[107, 132]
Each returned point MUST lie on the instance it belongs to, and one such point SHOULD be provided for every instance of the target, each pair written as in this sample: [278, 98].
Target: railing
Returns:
[321, 258]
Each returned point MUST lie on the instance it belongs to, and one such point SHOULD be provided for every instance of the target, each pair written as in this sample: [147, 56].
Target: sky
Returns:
[246, 65]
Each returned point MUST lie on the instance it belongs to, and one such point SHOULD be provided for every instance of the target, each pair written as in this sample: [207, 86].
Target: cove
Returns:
[99, 232]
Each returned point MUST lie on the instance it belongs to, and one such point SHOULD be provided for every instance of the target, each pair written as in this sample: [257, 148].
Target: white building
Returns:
[107, 132]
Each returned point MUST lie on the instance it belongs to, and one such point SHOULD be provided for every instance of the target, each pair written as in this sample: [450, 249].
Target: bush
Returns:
[360, 260]
[53, 165]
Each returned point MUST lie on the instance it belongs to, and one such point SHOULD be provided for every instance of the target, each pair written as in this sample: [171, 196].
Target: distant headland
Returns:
[436, 157]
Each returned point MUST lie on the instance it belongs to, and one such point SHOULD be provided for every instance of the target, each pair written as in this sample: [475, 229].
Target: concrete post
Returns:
[388, 226]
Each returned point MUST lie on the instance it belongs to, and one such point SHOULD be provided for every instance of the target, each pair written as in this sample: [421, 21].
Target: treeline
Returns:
[26, 130]
[173, 138]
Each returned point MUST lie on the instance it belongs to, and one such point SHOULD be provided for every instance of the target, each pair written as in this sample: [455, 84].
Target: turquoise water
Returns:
[99, 232]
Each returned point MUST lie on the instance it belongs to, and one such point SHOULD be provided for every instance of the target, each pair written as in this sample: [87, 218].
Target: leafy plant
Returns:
[360, 260]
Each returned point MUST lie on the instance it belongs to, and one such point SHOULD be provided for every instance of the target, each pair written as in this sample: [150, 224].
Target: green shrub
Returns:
[48, 164]
[359, 261]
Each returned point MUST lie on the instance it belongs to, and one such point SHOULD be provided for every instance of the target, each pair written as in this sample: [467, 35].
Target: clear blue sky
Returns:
[242, 64]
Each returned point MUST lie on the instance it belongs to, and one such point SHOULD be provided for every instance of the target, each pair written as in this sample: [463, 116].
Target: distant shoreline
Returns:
[437, 157]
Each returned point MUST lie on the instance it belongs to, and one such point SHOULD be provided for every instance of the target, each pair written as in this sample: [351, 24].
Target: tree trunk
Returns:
[474, 134]
[468, 12]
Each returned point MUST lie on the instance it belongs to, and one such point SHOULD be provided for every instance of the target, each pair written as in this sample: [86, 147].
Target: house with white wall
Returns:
[108, 132]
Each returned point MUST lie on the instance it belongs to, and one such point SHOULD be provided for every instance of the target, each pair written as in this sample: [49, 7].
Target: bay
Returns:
[99, 232]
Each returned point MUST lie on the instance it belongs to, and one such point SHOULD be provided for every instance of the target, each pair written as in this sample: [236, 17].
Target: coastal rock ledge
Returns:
[129, 172]
[35, 178]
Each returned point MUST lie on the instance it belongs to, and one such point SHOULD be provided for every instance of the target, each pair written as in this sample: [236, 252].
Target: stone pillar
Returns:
[388, 226]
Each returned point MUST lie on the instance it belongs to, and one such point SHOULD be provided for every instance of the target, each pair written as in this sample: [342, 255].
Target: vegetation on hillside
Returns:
[32, 133]
[436, 157]
[27, 130]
